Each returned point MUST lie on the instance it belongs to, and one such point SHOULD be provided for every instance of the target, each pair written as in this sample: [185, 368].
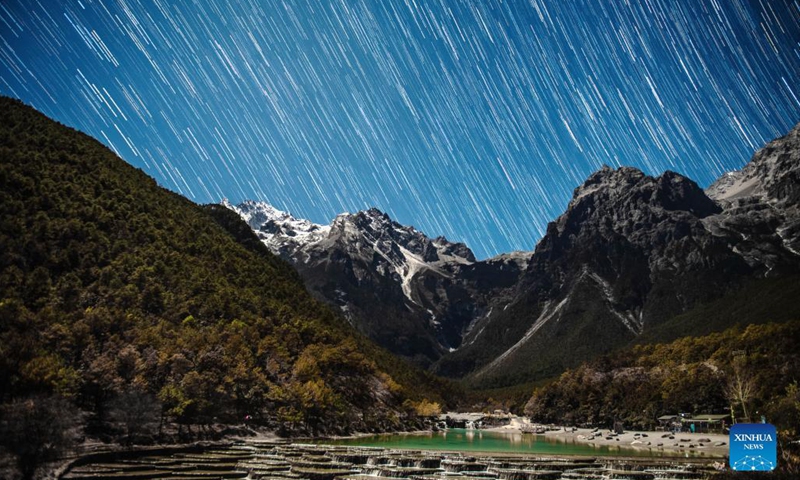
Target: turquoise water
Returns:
[490, 442]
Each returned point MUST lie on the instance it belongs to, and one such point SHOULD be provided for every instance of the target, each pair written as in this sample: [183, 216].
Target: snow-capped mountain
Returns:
[412, 294]
[630, 253]
[279, 230]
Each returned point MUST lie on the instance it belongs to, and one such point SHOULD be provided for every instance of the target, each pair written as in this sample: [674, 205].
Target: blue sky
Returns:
[473, 120]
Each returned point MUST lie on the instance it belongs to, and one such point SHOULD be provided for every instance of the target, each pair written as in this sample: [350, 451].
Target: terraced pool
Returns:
[283, 461]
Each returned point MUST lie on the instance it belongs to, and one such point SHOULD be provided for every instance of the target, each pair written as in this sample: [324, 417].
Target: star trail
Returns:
[473, 120]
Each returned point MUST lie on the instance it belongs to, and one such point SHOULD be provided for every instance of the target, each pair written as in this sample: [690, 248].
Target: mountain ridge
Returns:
[635, 247]
[392, 281]
[630, 252]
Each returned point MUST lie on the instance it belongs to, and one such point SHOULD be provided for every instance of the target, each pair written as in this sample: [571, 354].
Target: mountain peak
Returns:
[676, 192]
[379, 228]
[279, 230]
[375, 212]
[394, 283]
[375, 220]
[607, 178]
[286, 235]
[629, 185]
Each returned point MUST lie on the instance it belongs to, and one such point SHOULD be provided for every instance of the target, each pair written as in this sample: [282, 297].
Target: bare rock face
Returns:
[760, 201]
[630, 252]
[772, 175]
[414, 295]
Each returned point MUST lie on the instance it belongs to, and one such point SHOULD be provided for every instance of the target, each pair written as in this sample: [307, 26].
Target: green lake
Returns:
[494, 442]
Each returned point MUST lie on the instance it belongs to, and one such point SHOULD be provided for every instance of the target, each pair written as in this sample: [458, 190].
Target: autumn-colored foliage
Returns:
[750, 371]
[114, 290]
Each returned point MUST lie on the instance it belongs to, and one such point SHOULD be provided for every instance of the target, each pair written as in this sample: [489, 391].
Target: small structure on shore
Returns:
[669, 422]
[699, 422]
[706, 422]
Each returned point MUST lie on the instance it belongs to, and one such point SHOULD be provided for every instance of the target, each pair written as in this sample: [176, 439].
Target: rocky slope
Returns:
[760, 204]
[414, 295]
[630, 253]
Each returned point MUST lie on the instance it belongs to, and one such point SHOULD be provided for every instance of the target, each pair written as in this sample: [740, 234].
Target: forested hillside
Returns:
[748, 370]
[112, 288]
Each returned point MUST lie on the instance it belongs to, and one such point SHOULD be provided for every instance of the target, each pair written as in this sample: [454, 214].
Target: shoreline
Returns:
[697, 447]
[682, 445]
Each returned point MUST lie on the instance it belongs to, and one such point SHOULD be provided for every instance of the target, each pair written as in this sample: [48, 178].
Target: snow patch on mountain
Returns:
[402, 249]
[277, 228]
[771, 175]
[407, 270]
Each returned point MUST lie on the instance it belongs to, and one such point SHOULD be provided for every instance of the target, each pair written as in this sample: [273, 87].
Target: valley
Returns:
[400, 239]
[630, 255]
[138, 317]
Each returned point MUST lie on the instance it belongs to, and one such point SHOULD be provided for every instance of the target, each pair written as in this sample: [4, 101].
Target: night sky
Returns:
[473, 120]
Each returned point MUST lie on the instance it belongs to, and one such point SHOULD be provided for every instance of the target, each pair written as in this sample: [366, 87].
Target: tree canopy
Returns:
[110, 284]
